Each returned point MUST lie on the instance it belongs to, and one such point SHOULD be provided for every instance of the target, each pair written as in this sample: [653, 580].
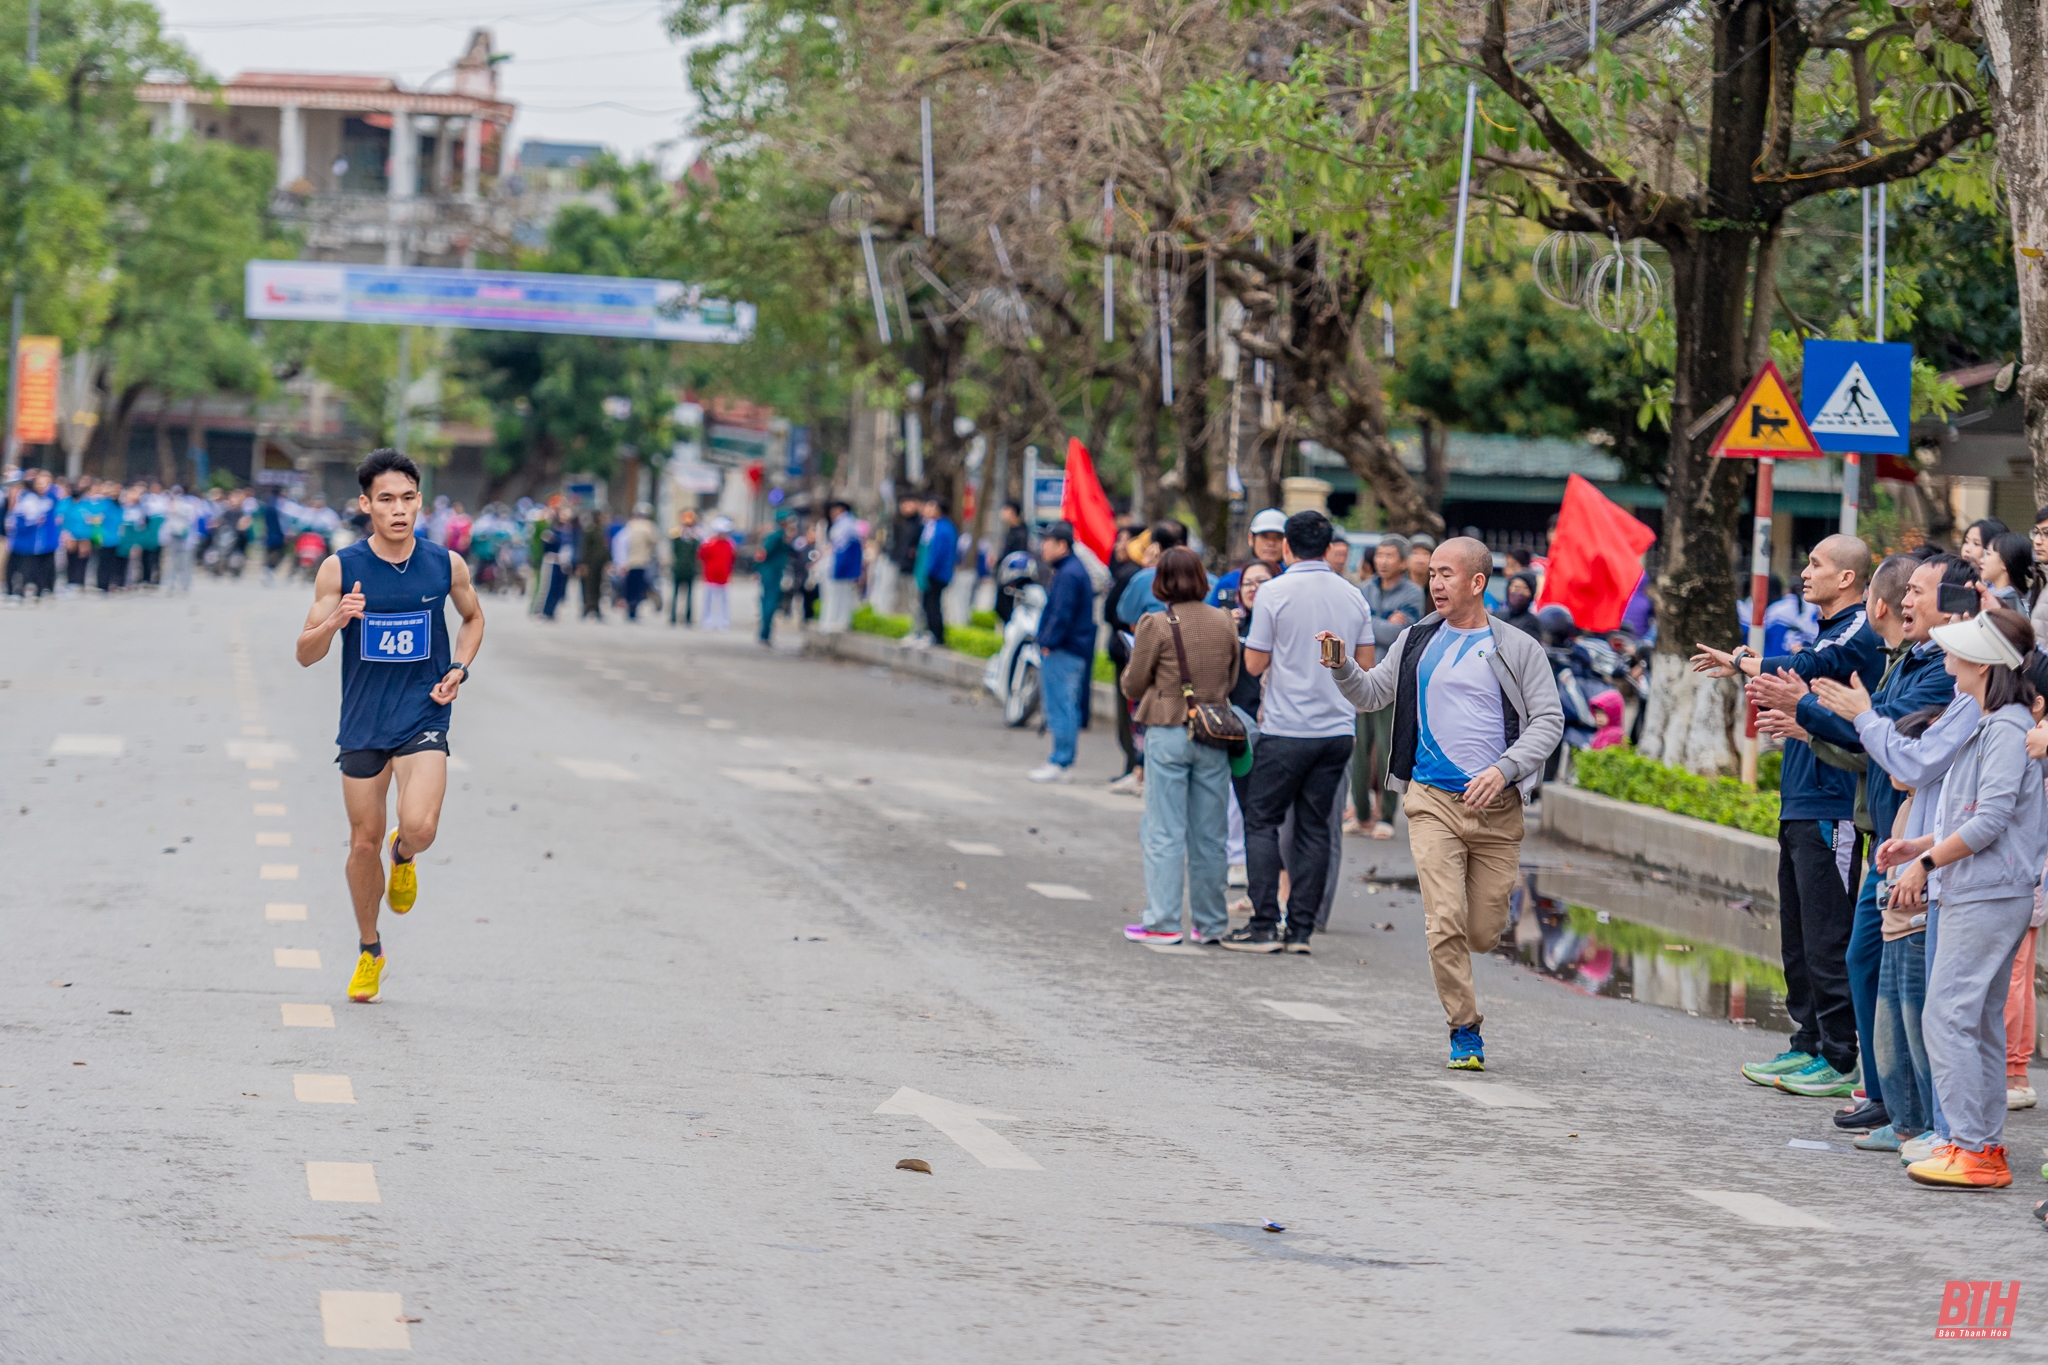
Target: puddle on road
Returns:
[1649, 938]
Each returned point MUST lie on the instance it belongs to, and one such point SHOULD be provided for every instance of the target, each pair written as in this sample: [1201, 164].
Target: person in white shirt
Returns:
[1305, 734]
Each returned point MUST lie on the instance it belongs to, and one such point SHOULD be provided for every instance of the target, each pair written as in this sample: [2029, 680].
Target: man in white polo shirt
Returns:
[1305, 734]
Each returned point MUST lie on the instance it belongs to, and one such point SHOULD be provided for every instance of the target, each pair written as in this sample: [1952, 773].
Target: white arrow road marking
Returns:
[1759, 1208]
[1306, 1011]
[1494, 1095]
[373, 1322]
[963, 1125]
[1059, 891]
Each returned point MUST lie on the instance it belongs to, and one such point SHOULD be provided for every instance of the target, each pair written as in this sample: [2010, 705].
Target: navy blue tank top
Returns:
[393, 656]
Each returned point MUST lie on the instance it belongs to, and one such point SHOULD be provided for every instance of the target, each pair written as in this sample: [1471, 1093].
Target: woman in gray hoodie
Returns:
[1991, 833]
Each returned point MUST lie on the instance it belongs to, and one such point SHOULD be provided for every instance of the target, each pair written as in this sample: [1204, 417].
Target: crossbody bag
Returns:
[1209, 722]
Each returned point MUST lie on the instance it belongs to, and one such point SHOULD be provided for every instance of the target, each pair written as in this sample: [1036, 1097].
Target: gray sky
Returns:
[581, 70]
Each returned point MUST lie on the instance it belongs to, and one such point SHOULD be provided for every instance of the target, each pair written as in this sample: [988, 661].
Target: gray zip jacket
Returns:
[1526, 680]
[1992, 799]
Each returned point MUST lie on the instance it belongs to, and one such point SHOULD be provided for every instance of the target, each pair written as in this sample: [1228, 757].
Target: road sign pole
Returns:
[1851, 479]
[1759, 593]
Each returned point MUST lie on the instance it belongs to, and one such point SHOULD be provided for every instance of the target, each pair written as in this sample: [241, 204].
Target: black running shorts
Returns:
[372, 762]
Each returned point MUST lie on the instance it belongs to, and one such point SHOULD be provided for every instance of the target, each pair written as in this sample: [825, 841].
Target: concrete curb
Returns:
[933, 665]
[1693, 848]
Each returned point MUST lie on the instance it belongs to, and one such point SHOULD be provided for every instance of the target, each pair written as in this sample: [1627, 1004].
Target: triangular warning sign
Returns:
[1766, 422]
[1853, 409]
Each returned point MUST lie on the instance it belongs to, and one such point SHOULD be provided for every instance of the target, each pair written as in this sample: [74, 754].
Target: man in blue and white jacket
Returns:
[1819, 851]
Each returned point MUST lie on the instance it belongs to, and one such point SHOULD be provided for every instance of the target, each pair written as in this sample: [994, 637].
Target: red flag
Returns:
[1595, 557]
[1085, 504]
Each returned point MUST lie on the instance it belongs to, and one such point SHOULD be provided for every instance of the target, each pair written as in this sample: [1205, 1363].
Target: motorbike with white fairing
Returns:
[1012, 675]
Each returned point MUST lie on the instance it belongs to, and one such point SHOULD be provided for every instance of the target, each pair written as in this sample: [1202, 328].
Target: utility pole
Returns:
[14, 317]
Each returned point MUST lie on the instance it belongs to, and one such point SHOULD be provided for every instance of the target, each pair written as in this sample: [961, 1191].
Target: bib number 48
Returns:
[395, 642]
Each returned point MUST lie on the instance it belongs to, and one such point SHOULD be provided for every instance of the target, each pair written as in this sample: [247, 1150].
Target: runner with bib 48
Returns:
[400, 674]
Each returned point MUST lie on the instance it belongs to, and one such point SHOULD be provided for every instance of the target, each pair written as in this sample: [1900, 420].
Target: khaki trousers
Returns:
[1467, 861]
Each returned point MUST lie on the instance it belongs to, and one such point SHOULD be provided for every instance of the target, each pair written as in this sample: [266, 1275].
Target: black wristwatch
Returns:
[452, 664]
[1927, 862]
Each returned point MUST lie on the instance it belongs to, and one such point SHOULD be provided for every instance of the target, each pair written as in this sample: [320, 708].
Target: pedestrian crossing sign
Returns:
[1766, 422]
[1859, 395]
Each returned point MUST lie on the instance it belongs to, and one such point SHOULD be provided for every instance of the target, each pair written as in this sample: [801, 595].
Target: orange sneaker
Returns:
[1961, 1168]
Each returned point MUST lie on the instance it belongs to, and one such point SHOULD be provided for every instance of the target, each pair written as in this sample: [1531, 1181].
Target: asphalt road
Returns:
[713, 937]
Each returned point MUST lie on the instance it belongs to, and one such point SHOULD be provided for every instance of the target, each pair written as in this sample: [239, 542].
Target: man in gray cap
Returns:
[1396, 603]
[1420, 548]
[1268, 535]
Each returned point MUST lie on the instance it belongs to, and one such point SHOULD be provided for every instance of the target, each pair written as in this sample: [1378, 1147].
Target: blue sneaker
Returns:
[1468, 1050]
[1885, 1139]
[1767, 1073]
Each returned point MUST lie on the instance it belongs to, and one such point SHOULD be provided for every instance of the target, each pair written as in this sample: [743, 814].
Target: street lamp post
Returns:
[14, 317]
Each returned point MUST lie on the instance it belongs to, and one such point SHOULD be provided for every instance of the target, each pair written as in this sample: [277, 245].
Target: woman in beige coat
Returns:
[1187, 785]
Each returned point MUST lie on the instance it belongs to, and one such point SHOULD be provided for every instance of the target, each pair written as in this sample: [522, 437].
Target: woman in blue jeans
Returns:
[1187, 785]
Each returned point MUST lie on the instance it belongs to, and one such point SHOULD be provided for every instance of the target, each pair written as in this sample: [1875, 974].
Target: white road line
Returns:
[1305, 1010]
[370, 1322]
[1761, 1209]
[263, 784]
[721, 725]
[1106, 800]
[254, 731]
[342, 1182]
[768, 780]
[307, 1016]
[637, 686]
[689, 708]
[278, 872]
[962, 1124]
[261, 748]
[323, 1090]
[596, 770]
[949, 791]
[266, 808]
[87, 746]
[273, 838]
[1059, 891]
[259, 765]
[308, 958]
[284, 910]
[974, 850]
[1494, 1095]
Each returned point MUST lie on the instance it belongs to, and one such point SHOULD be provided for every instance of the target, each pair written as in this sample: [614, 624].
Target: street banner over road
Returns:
[1766, 424]
[1859, 395]
[491, 300]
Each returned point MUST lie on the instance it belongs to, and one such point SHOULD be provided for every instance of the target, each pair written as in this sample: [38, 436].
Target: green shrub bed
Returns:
[1626, 775]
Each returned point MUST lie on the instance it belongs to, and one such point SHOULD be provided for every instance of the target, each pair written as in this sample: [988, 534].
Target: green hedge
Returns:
[1622, 773]
[982, 640]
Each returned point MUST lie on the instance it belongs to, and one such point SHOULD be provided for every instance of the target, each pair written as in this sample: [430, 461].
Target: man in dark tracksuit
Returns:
[1916, 676]
[1819, 854]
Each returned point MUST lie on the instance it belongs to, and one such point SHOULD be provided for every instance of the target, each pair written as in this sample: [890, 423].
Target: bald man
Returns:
[1820, 854]
[1476, 714]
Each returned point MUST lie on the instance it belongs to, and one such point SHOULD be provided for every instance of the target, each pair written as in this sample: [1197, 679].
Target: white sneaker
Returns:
[1130, 784]
[1237, 876]
[1917, 1148]
[2021, 1097]
[1051, 772]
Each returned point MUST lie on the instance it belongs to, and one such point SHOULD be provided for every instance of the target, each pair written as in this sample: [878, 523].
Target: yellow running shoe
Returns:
[404, 886]
[368, 980]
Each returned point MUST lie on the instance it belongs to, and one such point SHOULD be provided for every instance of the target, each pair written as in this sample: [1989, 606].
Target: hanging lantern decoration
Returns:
[1560, 265]
[1622, 290]
[1163, 259]
[852, 215]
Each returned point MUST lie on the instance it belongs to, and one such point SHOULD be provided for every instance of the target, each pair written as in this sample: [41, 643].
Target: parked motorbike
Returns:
[1012, 675]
